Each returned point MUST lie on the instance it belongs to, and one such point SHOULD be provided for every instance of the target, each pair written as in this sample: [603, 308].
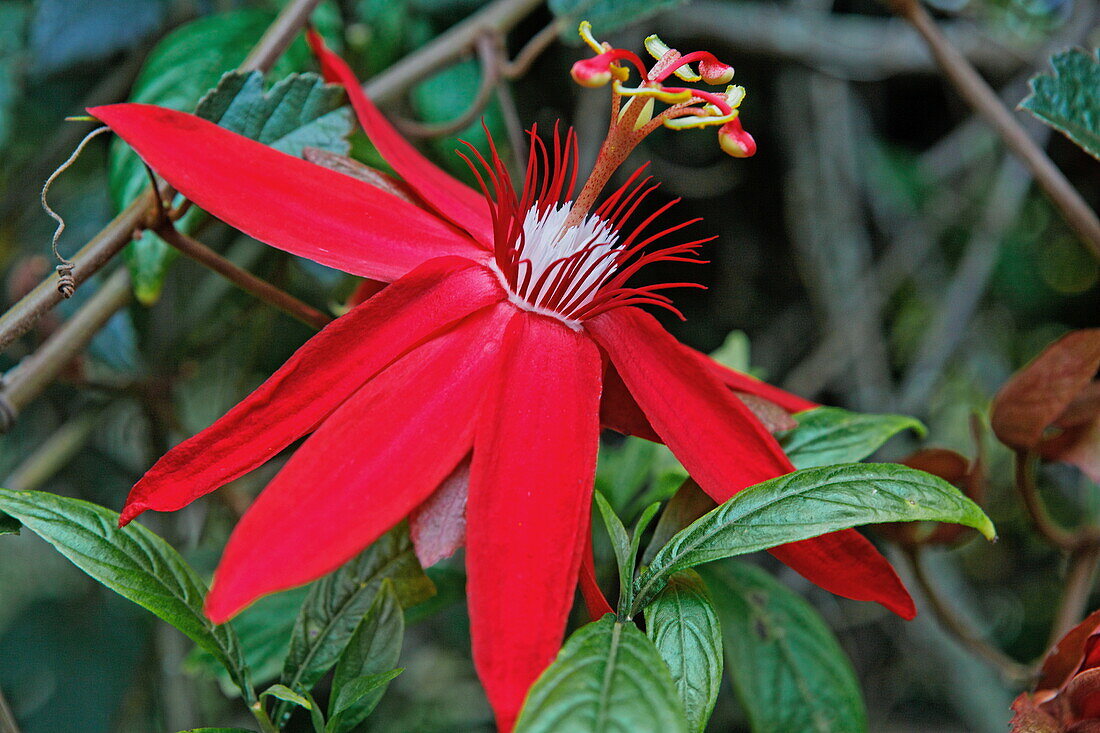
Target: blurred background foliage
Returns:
[881, 253]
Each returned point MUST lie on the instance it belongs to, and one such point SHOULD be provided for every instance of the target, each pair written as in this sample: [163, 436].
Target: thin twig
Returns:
[521, 64]
[489, 59]
[960, 628]
[54, 453]
[1076, 591]
[242, 278]
[983, 99]
[1051, 531]
[26, 380]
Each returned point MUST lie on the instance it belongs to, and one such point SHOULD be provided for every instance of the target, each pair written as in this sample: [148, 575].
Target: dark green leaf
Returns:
[356, 690]
[683, 625]
[336, 604]
[787, 668]
[373, 650]
[299, 111]
[829, 435]
[620, 544]
[9, 524]
[605, 15]
[264, 631]
[1070, 99]
[217, 730]
[131, 561]
[304, 700]
[608, 677]
[808, 503]
[65, 32]
[686, 505]
[13, 17]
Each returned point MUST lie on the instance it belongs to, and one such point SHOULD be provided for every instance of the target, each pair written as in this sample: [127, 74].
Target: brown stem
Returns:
[1050, 530]
[489, 57]
[960, 628]
[983, 99]
[279, 35]
[242, 278]
[23, 382]
[54, 453]
[1075, 592]
[534, 48]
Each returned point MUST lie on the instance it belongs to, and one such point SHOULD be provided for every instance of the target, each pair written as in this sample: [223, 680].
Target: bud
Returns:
[735, 141]
[715, 72]
[593, 72]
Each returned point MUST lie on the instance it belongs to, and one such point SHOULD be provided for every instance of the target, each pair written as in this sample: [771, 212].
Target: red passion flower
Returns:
[469, 393]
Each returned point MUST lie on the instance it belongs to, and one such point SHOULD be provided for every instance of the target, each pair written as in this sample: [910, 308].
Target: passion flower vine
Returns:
[468, 394]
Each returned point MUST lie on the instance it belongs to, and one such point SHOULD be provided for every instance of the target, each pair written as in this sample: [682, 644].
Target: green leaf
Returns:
[299, 111]
[788, 670]
[827, 436]
[9, 524]
[620, 544]
[133, 562]
[217, 730]
[179, 71]
[608, 677]
[605, 15]
[337, 603]
[683, 625]
[686, 505]
[373, 651]
[304, 700]
[355, 691]
[1069, 100]
[264, 630]
[808, 503]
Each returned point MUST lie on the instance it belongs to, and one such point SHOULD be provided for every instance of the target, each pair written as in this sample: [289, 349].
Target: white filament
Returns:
[544, 242]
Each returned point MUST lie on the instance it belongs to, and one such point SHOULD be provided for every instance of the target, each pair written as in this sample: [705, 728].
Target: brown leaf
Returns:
[1035, 397]
[773, 417]
[1066, 657]
[1030, 718]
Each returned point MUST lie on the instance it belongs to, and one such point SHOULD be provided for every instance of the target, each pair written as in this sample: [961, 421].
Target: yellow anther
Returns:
[659, 50]
[585, 31]
[655, 93]
[691, 122]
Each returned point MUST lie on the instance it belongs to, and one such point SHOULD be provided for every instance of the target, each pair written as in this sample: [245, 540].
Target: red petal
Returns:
[725, 449]
[315, 381]
[530, 502]
[744, 383]
[847, 564]
[368, 465]
[719, 441]
[284, 201]
[438, 526]
[450, 197]
[594, 599]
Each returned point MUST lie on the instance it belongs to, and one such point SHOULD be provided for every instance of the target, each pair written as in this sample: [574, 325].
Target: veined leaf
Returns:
[808, 503]
[371, 654]
[607, 678]
[826, 436]
[788, 670]
[303, 700]
[683, 625]
[337, 603]
[1069, 100]
[264, 632]
[298, 111]
[132, 561]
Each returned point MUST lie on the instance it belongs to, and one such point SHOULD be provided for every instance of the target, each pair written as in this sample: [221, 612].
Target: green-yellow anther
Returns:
[658, 48]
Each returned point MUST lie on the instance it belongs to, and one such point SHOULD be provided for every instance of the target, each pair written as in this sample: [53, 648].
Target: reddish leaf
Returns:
[1038, 394]
[438, 526]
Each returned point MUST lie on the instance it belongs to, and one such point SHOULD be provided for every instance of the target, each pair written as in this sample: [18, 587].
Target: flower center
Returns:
[555, 250]
[561, 268]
